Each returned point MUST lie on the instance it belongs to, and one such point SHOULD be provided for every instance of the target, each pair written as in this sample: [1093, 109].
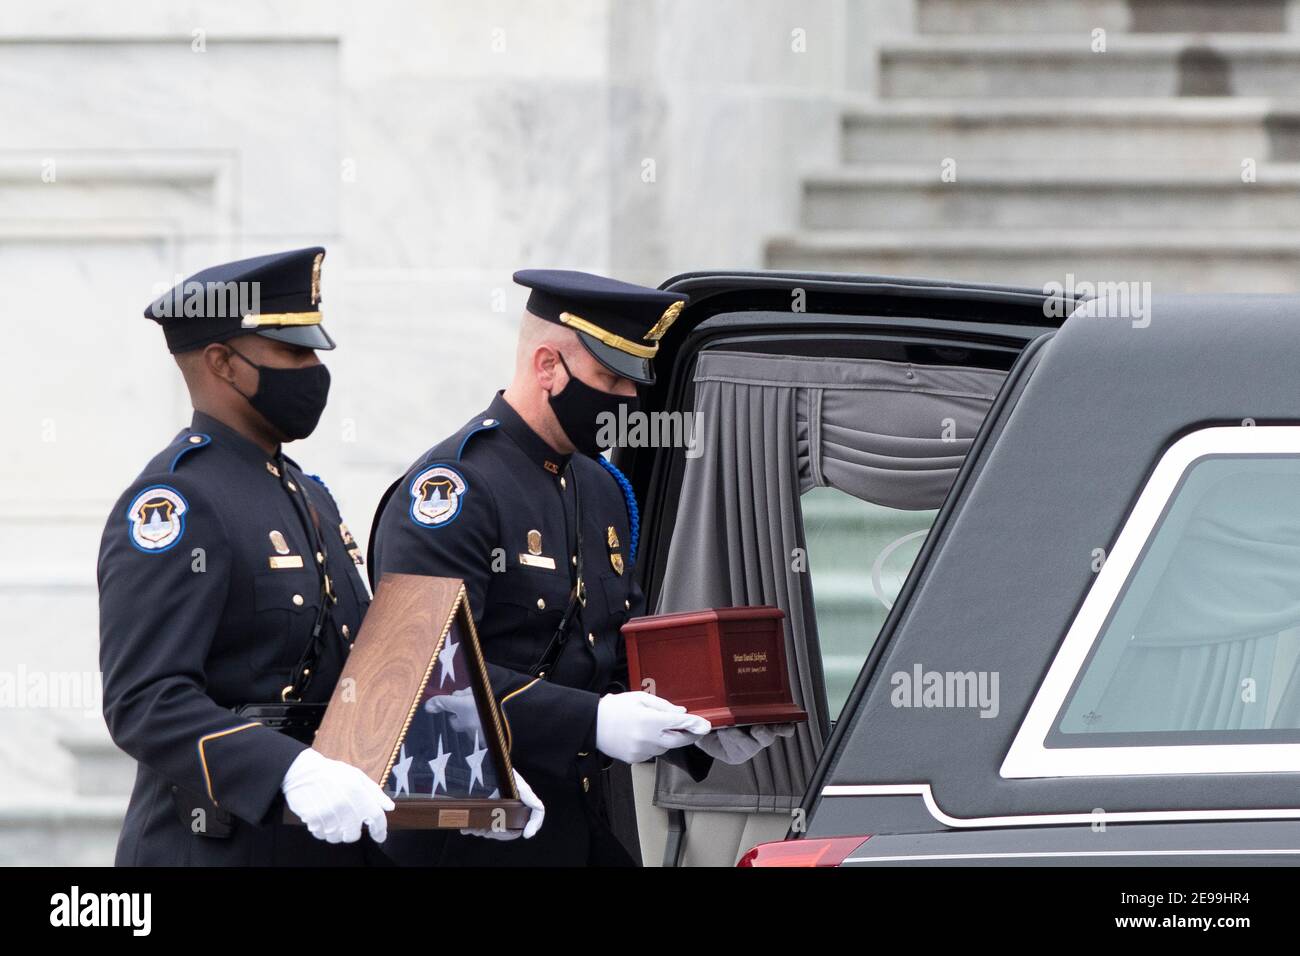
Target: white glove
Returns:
[335, 798]
[735, 745]
[460, 704]
[534, 823]
[635, 726]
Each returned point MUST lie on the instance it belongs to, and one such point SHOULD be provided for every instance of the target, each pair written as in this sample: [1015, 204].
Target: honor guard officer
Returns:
[543, 531]
[230, 593]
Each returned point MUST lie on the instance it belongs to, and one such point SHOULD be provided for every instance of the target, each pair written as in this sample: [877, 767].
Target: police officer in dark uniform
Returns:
[230, 593]
[544, 532]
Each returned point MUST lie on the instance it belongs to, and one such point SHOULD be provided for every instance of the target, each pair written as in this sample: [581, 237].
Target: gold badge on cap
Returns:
[665, 321]
[315, 277]
[277, 541]
[534, 542]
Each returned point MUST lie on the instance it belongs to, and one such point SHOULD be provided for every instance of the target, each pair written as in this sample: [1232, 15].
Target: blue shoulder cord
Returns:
[633, 515]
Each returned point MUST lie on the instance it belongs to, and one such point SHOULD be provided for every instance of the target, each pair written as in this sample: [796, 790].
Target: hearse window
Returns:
[859, 554]
[1183, 658]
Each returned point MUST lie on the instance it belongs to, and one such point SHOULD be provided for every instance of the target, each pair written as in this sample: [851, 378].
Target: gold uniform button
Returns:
[627, 605]
[195, 439]
[541, 604]
[562, 484]
[292, 486]
[586, 784]
[346, 631]
[591, 639]
[320, 558]
[297, 599]
[574, 560]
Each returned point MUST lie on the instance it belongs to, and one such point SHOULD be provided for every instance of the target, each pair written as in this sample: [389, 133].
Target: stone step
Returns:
[1204, 260]
[99, 768]
[1065, 66]
[1191, 133]
[80, 831]
[1083, 16]
[902, 198]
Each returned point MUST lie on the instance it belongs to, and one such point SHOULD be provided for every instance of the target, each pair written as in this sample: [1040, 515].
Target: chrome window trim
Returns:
[1027, 757]
[926, 793]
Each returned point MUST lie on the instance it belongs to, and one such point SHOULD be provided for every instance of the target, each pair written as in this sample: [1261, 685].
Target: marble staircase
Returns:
[1000, 143]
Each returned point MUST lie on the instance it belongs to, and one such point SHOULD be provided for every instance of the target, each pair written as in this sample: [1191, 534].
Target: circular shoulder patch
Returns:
[156, 518]
[436, 495]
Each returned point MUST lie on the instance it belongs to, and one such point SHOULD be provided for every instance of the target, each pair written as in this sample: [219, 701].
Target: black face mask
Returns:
[291, 399]
[583, 411]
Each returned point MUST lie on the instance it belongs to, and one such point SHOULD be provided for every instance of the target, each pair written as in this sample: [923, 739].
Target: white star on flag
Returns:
[447, 658]
[439, 766]
[402, 772]
[475, 761]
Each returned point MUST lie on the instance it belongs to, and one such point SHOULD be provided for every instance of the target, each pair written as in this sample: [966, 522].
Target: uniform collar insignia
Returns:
[527, 440]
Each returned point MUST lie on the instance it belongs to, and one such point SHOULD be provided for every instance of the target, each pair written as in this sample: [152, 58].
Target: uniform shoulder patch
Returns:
[156, 519]
[437, 492]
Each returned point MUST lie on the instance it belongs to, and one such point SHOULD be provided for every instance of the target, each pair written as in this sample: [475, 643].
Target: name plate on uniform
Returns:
[414, 710]
[727, 665]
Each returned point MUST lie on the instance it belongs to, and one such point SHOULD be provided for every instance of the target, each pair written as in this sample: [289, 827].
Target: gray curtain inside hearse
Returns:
[769, 428]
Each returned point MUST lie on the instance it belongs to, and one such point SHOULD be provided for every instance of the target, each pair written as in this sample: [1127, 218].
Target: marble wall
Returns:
[433, 147]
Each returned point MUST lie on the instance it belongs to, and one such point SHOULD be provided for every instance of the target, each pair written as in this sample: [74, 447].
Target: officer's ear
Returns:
[547, 368]
[219, 361]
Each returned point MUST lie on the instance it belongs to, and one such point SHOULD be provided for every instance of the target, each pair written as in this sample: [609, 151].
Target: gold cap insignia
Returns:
[315, 277]
[612, 537]
[277, 541]
[665, 321]
[616, 562]
[534, 542]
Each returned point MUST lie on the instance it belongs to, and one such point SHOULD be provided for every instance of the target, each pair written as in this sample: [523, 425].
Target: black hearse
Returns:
[1041, 575]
